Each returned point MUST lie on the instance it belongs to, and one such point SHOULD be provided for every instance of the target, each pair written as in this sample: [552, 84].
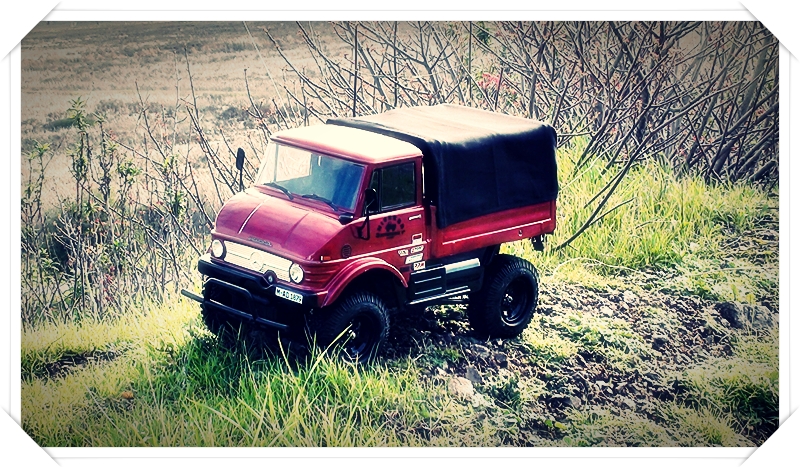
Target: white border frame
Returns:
[206, 10]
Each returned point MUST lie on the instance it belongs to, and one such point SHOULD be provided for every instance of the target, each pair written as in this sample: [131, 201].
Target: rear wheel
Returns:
[505, 304]
[356, 327]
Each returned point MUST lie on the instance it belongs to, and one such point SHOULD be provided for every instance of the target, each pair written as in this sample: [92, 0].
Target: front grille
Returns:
[257, 260]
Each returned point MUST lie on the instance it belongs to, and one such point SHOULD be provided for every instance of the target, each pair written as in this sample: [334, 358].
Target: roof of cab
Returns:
[350, 143]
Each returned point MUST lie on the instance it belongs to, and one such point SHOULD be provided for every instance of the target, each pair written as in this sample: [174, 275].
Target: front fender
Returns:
[354, 270]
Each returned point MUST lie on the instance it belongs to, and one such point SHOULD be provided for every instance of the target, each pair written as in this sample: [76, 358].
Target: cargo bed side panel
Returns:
[496, 228]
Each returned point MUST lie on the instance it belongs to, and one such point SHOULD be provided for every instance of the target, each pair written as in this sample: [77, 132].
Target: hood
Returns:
[275, 224]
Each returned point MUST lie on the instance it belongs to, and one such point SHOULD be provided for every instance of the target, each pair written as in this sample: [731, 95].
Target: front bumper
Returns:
[249, 296]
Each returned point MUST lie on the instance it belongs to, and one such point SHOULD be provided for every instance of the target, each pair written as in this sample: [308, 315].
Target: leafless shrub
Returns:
[700, 96]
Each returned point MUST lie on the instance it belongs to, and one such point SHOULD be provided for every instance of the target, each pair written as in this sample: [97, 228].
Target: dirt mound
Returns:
[624, 349]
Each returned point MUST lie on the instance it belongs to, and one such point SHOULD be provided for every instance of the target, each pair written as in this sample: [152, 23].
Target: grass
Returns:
[744, 386]
[174, 385]
[707, 238]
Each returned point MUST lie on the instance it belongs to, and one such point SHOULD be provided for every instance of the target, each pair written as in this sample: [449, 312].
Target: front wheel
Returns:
[356, 327]
[505, 304]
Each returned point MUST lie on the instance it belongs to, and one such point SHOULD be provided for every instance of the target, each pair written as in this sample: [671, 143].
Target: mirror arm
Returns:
[360, 229]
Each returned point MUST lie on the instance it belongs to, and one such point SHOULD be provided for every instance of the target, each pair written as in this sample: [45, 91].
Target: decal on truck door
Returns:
[390, 227]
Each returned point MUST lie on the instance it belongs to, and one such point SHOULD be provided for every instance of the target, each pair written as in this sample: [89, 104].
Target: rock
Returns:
[573, 401]
[652, 376]
[630, 298]
[746, 315]
[460, 387]
[473, 375]
[628, 403]
[606, 311]
[501, 359]
[479, 400]
[659, 341]
[480, 350]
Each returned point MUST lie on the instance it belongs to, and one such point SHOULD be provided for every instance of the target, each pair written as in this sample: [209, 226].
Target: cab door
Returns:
[397, 218]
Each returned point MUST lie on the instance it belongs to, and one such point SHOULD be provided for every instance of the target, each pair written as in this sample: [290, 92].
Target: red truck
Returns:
[361, 216]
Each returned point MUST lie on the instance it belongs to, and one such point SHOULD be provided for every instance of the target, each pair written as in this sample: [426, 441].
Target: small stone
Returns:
[473, 375]
[628, 403]
[606, 311]
[573, 401]
[501, 359]
[659, 341]
[652, 376]
[460, 387]
[128, 395]
[746, 315]
[630, 298]
[480, 350]
[479, 400]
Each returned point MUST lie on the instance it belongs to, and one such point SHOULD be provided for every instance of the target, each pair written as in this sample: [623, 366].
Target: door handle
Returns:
[412, 218]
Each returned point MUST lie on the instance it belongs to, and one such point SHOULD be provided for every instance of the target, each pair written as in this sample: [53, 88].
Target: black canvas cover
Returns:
[476, 162]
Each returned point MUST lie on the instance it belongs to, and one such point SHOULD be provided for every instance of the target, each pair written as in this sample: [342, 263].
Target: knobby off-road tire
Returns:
[356, 327]
[505, 304]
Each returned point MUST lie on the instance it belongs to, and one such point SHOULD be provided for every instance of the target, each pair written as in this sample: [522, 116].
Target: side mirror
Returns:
[239, 166]
[345, 218]
[370, 199]
[239, 159]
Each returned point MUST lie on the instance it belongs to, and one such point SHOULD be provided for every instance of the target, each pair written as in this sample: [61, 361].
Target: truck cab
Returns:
[344, 224]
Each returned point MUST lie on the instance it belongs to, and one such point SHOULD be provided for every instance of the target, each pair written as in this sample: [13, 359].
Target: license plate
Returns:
[292, 296]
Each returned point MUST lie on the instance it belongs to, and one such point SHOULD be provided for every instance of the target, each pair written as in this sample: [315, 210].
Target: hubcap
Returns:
[516, 301]
[361, 337]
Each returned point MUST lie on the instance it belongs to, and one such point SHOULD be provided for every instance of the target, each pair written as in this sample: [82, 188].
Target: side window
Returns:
[395, 187]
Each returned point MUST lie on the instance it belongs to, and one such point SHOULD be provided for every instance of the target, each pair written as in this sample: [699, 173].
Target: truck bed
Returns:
[493, 229]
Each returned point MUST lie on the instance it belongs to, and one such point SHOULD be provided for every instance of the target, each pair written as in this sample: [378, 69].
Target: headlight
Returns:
[217, 248]
[296, 273]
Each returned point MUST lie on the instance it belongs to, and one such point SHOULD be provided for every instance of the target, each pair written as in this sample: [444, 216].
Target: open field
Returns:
[631, 345]
[118, 68]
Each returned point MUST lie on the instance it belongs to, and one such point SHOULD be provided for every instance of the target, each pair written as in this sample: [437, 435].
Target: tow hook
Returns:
[538, 242]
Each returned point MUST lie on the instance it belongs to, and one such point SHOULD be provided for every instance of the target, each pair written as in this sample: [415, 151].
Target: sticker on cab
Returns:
[419, 266]
[413, 258]
[403, 252]
[417, 249]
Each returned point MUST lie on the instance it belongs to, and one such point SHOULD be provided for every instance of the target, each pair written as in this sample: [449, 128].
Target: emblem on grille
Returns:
[260, 241]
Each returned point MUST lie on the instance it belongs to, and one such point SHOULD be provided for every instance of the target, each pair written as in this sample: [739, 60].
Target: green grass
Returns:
[190, 391]
[679, 427]
[744, 386]
[667, 218]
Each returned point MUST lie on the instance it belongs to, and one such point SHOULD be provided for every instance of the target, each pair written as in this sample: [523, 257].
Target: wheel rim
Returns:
[361, 335]
[516, 301]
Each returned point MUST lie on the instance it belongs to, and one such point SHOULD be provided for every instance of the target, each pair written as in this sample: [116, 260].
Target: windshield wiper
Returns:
[281, 188]
[314, 196]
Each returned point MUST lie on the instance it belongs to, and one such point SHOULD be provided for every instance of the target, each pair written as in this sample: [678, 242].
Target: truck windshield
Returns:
[310, 175]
